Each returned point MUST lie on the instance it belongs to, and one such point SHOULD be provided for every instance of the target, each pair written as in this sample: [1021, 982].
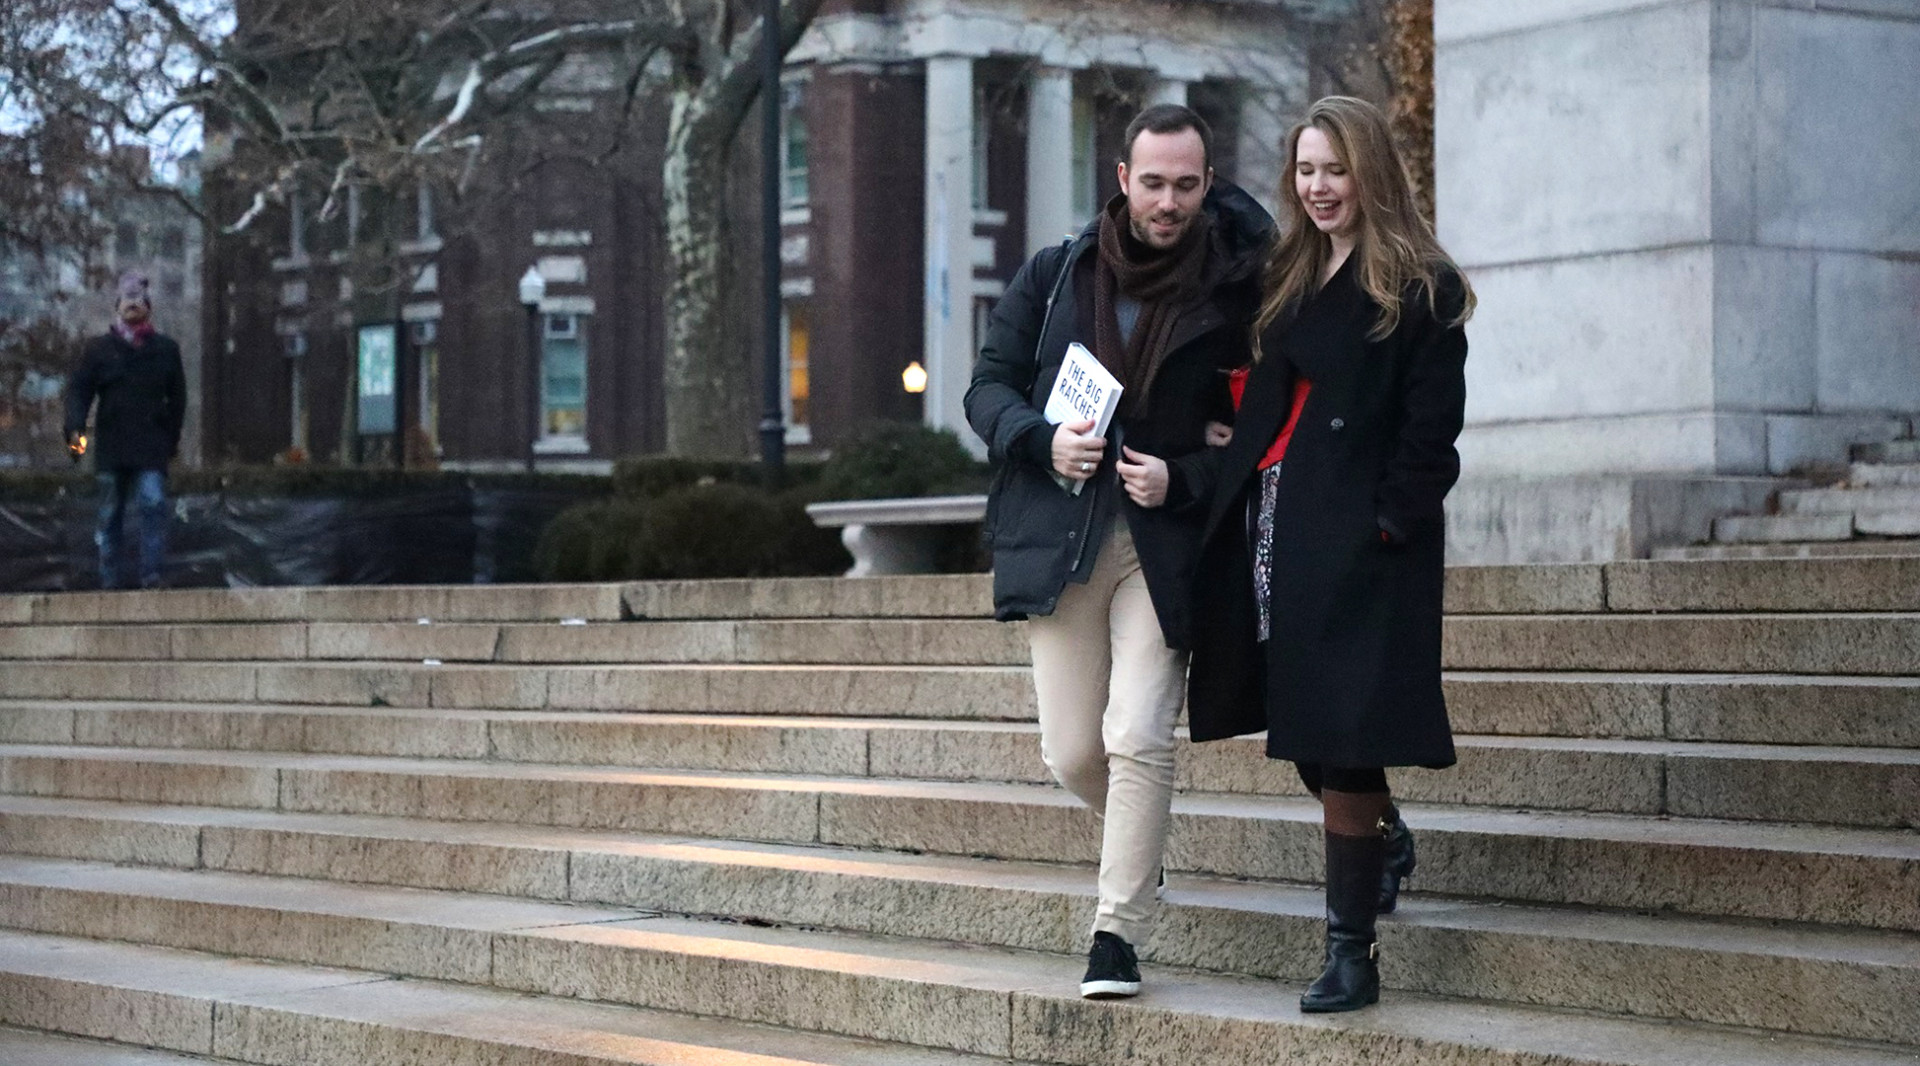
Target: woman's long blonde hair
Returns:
[1395, 244]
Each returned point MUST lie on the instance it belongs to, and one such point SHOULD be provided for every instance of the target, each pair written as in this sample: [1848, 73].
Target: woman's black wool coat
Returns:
[1351, 674]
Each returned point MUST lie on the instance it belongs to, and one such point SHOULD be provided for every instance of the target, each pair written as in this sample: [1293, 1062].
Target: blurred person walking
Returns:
[134, 374]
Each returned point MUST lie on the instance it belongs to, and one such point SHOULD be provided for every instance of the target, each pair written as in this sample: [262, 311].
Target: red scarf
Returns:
[133, 335]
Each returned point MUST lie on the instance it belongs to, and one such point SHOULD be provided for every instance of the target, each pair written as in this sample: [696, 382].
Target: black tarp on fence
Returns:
[438, 530]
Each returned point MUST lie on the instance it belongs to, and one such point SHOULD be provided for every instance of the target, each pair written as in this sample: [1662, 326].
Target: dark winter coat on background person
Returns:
[1351, 674]
[1038, 533]
[143, 401]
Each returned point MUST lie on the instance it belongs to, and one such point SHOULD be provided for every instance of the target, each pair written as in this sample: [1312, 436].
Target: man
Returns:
[136, 375]
[1161, 287]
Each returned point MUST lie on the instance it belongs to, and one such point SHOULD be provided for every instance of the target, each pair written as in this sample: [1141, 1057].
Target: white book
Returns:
[1082, 390]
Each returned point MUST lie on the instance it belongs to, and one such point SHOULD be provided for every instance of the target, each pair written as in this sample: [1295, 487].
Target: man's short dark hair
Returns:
[1169, 118]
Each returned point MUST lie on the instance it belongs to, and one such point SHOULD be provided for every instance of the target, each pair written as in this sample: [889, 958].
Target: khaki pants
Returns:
[1109, 690]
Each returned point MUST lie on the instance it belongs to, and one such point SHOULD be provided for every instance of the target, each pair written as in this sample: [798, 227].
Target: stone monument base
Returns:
[1592, 518]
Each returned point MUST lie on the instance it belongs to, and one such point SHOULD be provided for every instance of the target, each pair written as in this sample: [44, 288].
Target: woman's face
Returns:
[1324, 184]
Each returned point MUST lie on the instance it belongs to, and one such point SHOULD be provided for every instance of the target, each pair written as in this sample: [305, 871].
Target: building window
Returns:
[296, 226]
[426, 349]
[424, 221]
[1085, 169]
[798, 322]
[295, 347]
[173, 243]
[982, 133]
[794, 187]
[563, 377]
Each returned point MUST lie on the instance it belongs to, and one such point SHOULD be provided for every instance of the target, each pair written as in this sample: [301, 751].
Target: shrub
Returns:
[651, 477]
[702, 531]
[891, 459]
[736, 531]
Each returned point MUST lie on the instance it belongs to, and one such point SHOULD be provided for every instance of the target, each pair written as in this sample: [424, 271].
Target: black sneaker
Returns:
[1113, 971]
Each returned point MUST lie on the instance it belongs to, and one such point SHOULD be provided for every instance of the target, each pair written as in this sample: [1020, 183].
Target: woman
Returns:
[1356, 392]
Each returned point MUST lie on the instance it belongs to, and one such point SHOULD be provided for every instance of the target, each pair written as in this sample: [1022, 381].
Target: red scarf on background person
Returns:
[134, 335]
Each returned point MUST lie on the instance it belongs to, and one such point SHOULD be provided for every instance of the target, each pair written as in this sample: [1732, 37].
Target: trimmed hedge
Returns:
[702, 531]
[885, 460]
[694, 518]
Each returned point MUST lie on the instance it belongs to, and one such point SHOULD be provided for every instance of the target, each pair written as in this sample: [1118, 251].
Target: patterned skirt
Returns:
[1261, 522]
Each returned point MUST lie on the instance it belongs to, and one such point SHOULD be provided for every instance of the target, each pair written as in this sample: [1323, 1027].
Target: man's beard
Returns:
[1142, 233]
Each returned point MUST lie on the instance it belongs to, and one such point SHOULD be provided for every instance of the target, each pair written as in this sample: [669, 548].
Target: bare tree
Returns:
[711, 399]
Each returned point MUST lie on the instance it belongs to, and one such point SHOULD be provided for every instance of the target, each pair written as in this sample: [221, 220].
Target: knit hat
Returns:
[134, 286]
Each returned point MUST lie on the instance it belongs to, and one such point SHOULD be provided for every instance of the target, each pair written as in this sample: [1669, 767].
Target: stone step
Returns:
[1840, 875]
[1691, 969]
[1835, 584]
[1752, 708]
[1893, 451]
[360, 603]
[1612, 775]
[1889, 523]
[283, 1014]
[1559, 589]
[1783, 528]
[1823, 552]
[1844, 500]
[1887, 644]
[1469, 589]
[1811, 643]
[21, 1047]
[959, 997]
[1884, 475]
[899, 642]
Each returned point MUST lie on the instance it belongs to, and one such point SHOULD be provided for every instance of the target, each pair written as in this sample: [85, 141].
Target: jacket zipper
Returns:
[1093, 499]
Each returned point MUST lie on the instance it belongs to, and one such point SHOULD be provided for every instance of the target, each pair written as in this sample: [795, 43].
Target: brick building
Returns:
[928, 148]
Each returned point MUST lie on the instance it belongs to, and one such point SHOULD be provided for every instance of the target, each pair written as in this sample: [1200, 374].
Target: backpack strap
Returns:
[1059, 282]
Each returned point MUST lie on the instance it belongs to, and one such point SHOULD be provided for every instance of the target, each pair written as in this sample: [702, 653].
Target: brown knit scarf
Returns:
[1166, 284]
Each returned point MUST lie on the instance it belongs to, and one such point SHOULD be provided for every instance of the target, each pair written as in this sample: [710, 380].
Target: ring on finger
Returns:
[1085, 466]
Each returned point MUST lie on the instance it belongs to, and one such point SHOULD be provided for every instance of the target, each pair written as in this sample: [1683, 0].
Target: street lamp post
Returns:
[533, 289]
[773, 430]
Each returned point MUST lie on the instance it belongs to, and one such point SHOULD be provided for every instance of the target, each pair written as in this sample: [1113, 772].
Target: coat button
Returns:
[1339, 424]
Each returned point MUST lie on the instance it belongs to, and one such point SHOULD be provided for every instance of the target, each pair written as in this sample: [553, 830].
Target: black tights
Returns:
[1353, 801]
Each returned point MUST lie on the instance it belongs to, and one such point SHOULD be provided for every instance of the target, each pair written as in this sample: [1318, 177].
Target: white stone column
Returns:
[1049, 158]
[1679, 286]
[1695, 235]
[949, 243]
[1265, 117]
[1166, 91]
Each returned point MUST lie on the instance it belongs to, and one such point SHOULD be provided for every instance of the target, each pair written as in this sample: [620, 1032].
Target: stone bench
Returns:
[895, 536]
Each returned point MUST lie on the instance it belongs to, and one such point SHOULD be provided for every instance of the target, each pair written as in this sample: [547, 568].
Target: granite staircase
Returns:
[805, 822]
[1873, 510]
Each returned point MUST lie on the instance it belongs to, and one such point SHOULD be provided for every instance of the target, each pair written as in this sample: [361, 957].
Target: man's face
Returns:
[1164, 186]
[134, 312]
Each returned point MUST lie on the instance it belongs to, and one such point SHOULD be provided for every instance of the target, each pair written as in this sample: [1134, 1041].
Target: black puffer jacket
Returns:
[143, 401]
[1039, 534]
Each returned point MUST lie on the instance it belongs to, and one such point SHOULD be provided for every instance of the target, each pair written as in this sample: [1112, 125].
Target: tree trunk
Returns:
[712, 392]
[1410, 49]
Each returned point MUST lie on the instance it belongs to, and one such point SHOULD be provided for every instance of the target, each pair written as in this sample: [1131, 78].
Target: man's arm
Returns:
[997, 402]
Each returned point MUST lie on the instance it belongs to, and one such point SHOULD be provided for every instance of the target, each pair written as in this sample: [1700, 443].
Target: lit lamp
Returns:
[533, 289]
[914, 377]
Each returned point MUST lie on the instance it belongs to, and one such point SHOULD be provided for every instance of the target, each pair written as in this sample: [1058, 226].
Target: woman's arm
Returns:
[1433, 400]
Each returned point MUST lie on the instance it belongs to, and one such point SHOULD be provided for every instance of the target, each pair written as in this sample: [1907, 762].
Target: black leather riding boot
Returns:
[1400, 860]
[1351, 979]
